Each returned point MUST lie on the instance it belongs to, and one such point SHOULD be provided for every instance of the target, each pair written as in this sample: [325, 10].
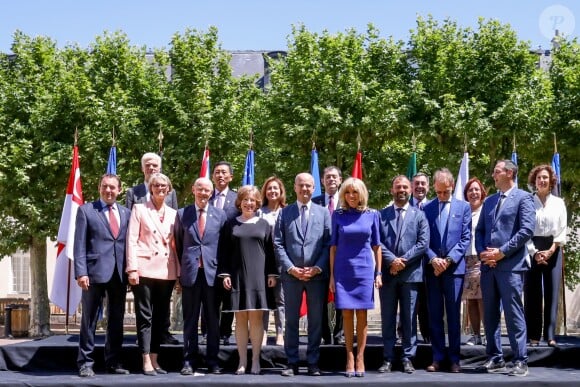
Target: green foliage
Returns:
[453, 88]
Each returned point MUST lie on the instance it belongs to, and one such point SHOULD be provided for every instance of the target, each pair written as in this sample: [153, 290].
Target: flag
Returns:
[557, 190]
[248, 177]
[357, 167]
[315, 172]
[462, 177]
[515, 161]
[65, 293]
[112, 163]
[204, 172]
[412, 166]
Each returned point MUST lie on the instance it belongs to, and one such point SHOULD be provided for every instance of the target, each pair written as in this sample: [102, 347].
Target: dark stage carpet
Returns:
[52, 362]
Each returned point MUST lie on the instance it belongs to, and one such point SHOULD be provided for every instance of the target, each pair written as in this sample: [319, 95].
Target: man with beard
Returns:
[404, 240]
[420, 186]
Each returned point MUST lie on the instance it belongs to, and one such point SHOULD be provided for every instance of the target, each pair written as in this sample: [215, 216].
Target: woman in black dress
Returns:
[250, 275]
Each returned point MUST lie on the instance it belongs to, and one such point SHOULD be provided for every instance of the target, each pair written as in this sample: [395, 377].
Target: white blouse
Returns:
[474, 220]
[551, 220]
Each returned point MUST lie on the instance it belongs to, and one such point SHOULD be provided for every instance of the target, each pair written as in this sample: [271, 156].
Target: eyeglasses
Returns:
[160, 185]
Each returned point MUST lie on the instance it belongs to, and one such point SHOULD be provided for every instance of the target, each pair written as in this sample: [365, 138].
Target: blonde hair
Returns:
[358, 186]
[160, 177]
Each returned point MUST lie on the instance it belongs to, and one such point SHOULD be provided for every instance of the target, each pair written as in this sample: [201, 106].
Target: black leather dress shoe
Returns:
[86, 372]
[492, 367]
[385, 368]
[216, 370]
[408, 367]
[186, 370]
[313, 371]
[117, 370]
[169, 339]
[225, 340]
[291, 370]
[160, 371]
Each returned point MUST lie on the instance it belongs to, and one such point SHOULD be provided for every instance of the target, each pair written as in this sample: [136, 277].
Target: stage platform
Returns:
[52, 362]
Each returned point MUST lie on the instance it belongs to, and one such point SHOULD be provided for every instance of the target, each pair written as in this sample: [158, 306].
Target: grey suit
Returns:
[101, 257]
[400, 290]
[293, 248]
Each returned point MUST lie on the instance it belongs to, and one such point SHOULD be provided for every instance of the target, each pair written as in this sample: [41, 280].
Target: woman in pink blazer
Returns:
[152, 268]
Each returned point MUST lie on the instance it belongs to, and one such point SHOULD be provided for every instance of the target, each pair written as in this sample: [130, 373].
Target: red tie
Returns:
[201, 222]
[113, 222]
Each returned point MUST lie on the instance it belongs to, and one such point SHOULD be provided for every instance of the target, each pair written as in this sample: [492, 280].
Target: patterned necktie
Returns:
[201, 222]
[443, 217]
[113, 223]
[303, 219]
[499, 203]
[220, 201]
[331, 204]
[399, 220]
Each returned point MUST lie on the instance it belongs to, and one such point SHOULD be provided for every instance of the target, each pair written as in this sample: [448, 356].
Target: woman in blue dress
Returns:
[355, 266]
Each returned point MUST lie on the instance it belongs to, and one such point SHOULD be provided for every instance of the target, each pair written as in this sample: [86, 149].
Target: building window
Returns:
[21, 272]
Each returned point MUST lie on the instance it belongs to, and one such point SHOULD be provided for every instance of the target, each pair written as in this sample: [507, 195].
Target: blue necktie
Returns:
[443, 217]
[303, 219]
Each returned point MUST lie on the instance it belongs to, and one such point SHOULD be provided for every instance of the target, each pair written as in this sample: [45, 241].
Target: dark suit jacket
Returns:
[321, 200]
[138, 194]
[413, 242]
[191, 248]
[457, 236]
[229, 204]
[294, 249]
[509, 232]
[97, 253]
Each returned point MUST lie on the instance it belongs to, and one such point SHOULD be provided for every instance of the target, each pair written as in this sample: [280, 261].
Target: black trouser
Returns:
[152, 300]
[547, 278]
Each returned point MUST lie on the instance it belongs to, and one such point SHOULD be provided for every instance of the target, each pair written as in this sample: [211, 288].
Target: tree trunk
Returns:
[39, 305]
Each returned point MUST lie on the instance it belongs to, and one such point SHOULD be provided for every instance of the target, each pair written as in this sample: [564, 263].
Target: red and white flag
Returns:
[65, 293]
[205, 172]
[357, 166]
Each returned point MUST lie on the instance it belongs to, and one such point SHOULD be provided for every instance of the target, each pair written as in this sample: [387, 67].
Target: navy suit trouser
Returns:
[316, 293]
[91, 300]
[504, 288]
[444, 295]
[192, 298]
[402, 295]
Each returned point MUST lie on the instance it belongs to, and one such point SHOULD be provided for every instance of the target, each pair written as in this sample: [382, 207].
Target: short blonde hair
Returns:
[249, 191]
[162, 178]
[358, 186]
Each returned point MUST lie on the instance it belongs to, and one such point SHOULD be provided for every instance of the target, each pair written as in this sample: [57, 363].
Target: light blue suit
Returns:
[292, 248]
[401, 290]
[502, 285]
[444, 291]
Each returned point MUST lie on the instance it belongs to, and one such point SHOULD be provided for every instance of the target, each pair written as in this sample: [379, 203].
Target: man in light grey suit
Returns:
[506, 223]
[404, 240]
[301, 242]
[150, 164]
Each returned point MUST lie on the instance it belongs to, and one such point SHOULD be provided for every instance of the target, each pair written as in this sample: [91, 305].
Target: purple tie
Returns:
[331, 204]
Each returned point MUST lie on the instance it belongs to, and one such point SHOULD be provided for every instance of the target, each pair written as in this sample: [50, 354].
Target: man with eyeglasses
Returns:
[449, 222]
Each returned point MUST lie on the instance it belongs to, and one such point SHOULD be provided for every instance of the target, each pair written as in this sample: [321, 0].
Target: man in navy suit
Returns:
[199, 232]
[301, 244]
[150, 164]
[420, 190]
[450, 235]
[506, 223]
[331, 180]
[404, 239]
[99, 257]
[224, 198]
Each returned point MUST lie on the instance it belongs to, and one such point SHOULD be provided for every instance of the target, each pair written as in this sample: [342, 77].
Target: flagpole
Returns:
[69, 268]
[564, 312]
